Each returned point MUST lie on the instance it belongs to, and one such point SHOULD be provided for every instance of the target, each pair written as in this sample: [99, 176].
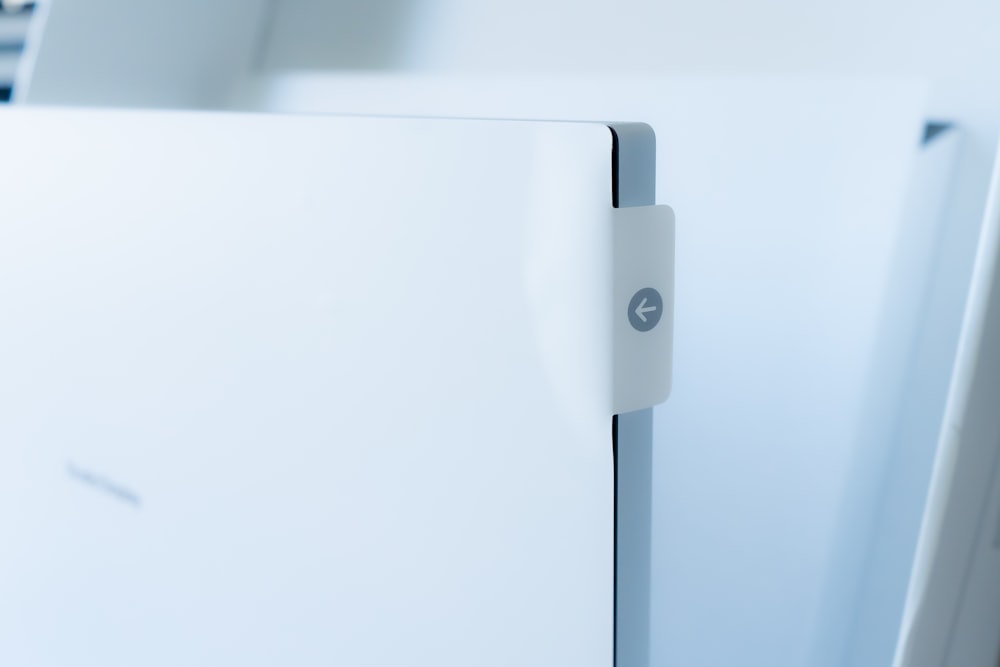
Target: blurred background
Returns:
[14, 19]
[829, 165]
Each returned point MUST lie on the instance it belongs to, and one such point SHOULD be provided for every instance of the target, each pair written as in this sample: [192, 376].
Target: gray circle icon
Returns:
[645, 309]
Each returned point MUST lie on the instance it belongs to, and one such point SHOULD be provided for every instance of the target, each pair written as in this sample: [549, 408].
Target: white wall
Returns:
[921, 37]
[955, 44]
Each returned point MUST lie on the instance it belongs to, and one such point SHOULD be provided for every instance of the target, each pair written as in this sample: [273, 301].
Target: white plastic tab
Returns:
[643, 306]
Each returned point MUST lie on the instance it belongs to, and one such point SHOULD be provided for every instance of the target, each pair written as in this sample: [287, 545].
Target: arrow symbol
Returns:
[642, 309]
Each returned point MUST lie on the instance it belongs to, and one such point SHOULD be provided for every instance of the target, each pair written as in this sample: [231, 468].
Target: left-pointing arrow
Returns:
[645, 309]
[642, 309]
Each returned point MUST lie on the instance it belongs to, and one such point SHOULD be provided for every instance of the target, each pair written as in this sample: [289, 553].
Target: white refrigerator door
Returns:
[304, 391]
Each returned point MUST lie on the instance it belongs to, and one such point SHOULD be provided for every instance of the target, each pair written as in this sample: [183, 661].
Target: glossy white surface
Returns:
[304, 390]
